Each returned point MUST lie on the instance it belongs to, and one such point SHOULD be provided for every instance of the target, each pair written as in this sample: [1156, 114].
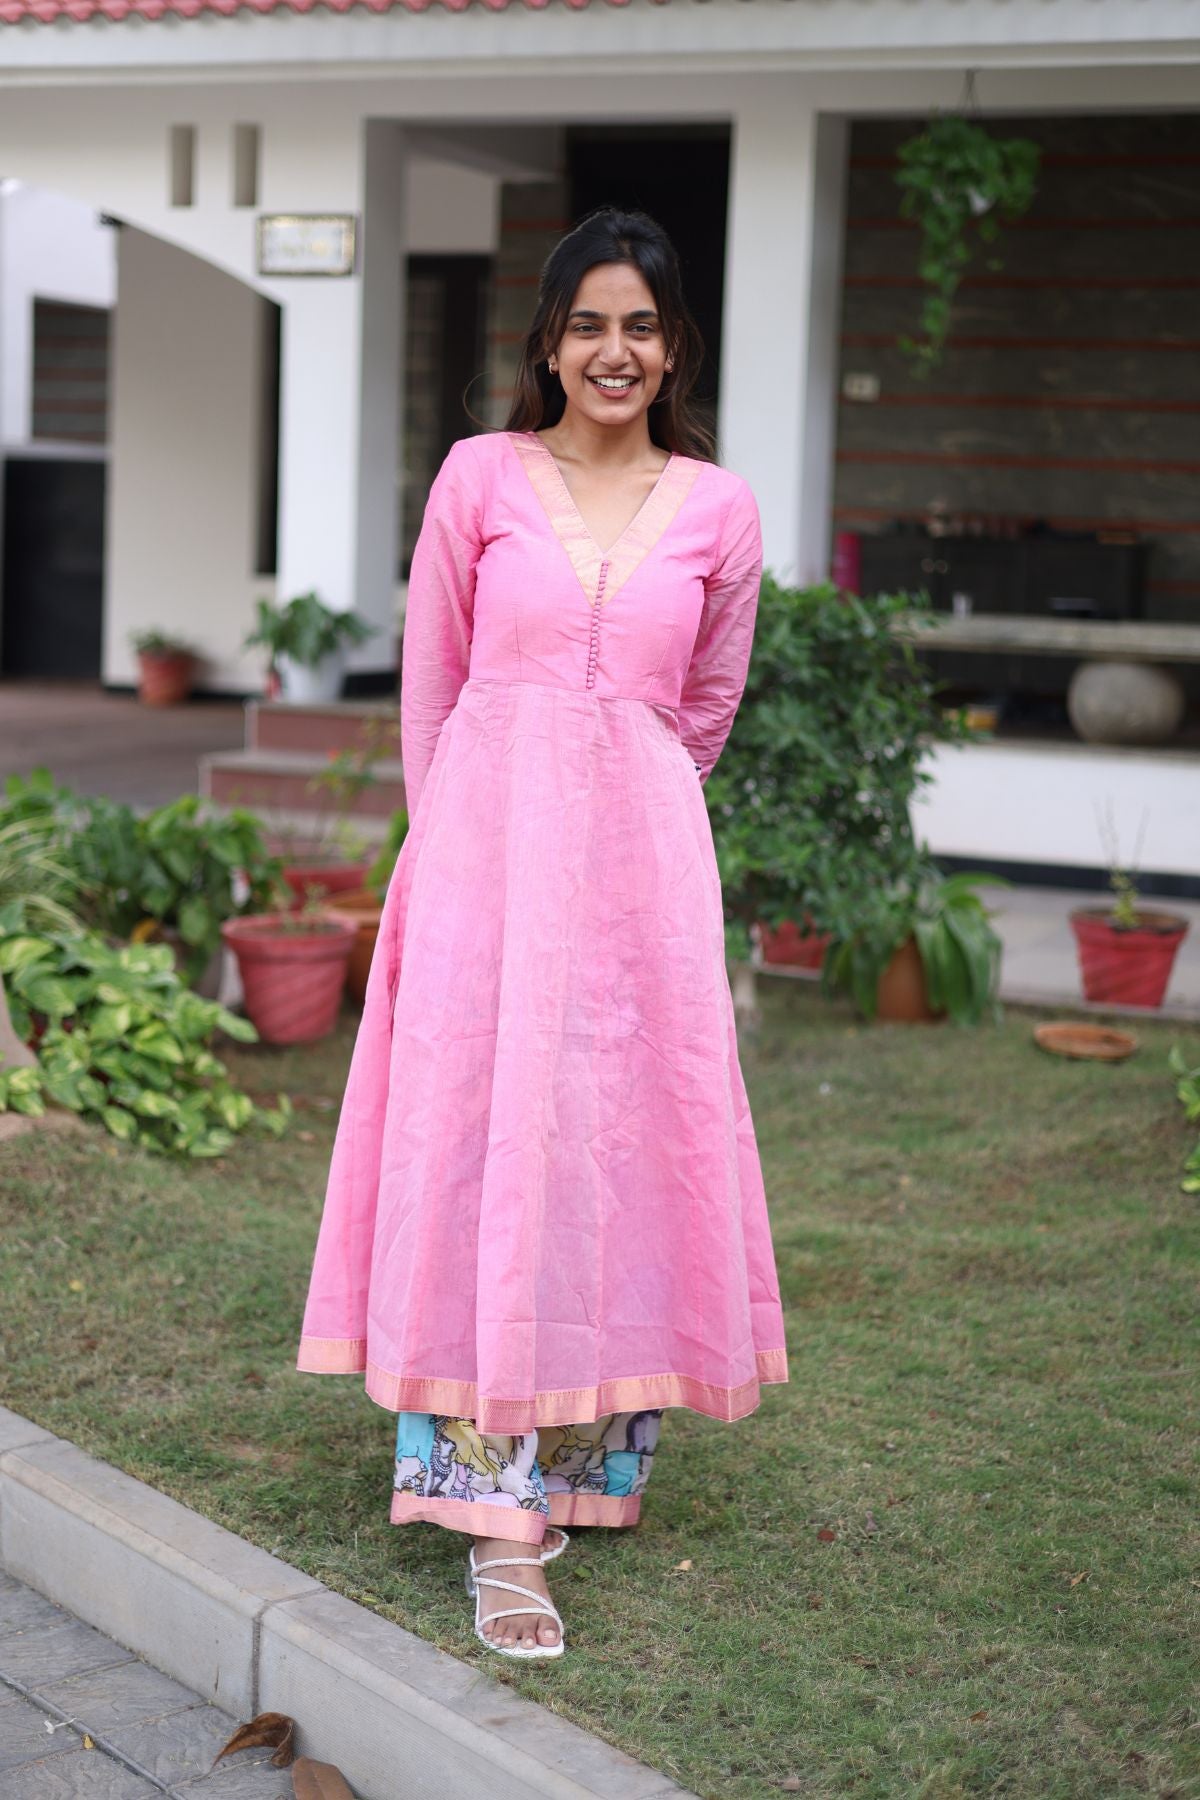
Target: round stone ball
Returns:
[1125, 703]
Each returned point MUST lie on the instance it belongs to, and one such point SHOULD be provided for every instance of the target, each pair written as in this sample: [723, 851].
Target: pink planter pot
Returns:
[321, 879]
[1127, 968]
[293, 980]
[793, 946]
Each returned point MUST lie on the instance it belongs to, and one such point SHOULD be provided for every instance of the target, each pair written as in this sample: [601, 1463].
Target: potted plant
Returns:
[1126, 951]
[293, 968]
[809, 802]
[331, 857]
[365, 906]
[957, 181]
[920, 949]
[166, 668]
[307, 643]
[793, 945]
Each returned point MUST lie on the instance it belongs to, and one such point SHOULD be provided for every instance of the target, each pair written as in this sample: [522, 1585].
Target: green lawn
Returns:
[990, 1272]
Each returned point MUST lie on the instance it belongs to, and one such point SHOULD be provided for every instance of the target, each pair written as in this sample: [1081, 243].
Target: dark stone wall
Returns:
[1070, 391]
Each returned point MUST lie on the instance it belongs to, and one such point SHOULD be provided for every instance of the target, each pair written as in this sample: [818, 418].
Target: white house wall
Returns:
[451, 212]
[1049, 803]
[183, 473]
[52, 247]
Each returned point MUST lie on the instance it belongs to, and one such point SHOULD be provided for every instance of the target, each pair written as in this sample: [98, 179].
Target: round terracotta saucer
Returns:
[1101, 1043]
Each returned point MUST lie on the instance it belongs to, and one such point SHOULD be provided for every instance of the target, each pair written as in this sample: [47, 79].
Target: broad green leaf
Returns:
[19, 952]
[122, 1124]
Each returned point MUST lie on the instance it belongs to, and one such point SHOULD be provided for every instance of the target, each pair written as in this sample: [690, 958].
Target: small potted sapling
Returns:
[331, 856]
[307, 643]
[1126, 950]
[166, 668]
[293, 968]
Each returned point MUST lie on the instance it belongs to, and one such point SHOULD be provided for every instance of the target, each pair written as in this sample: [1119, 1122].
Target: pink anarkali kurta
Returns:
[545, 1202]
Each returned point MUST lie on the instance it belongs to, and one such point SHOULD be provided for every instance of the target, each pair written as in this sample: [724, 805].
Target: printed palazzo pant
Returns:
[448, 1473]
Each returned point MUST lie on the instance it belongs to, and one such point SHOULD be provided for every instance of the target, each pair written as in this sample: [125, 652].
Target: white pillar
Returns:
[779, 353]
[340, 399]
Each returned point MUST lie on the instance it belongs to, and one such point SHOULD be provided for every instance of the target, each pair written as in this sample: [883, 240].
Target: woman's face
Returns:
[613, 355]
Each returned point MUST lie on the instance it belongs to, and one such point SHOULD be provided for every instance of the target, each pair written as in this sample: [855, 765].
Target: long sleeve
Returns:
[716, 676]
[439, 613]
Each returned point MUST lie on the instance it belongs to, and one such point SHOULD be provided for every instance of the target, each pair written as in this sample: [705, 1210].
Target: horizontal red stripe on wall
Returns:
[886, 340]
[1034, 402]
[950, 459]
[1065, 159]
[1060, 522]
[1174, 587]
[1130, 283]
[1084, 222]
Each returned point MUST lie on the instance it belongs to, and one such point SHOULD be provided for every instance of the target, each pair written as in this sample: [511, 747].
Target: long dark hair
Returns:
[611, 235]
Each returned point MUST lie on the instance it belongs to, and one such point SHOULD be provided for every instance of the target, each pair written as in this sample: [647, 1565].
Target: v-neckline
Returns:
[602, 573]
[606, 556]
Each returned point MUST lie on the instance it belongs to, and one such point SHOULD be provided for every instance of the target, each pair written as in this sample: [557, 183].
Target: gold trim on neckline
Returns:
[596, 568]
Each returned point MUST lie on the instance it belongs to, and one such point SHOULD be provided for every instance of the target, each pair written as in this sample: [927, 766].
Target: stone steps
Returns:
[272, 781]
[324, 729]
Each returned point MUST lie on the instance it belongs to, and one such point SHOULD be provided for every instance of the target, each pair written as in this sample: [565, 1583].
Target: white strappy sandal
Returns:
[537, 1603]
[564, 1540]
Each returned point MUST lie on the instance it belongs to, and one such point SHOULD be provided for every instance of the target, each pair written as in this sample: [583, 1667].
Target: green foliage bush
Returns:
[182, 866]
[121, 1040]
[809, 803]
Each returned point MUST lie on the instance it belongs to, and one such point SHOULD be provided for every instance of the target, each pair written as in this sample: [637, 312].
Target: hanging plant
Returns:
[958, 182]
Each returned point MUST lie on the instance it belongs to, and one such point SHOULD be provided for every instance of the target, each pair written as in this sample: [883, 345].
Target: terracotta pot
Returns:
[902, 996]
[366, 909]
[164, 677]
[292, 979]
[1126, 968]
[793, 946]
[321, 878]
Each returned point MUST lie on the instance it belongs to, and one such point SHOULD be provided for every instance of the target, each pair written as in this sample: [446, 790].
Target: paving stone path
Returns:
[61, 1683]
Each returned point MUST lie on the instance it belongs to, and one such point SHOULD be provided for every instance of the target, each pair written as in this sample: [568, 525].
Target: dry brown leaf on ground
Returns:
[318, 1781]
[269, 1730]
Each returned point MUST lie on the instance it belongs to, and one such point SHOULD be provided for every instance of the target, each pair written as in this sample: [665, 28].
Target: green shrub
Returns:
[121, 1040]
[183, 866]
[809, 803]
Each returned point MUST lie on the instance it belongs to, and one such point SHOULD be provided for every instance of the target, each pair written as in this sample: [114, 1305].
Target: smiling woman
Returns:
[545, 1220]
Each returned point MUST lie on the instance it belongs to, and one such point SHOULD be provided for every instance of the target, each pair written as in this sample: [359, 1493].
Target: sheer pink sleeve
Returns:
[716, 674]
[435, 650]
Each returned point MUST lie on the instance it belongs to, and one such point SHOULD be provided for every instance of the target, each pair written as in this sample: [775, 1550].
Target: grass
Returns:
[990, 1275]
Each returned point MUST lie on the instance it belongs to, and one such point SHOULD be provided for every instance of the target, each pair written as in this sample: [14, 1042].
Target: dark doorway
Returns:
[445, 351]
[680, 176]
[53, 575]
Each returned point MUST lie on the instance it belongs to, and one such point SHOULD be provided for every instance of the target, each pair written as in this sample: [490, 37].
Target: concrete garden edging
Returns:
[251, 1634]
